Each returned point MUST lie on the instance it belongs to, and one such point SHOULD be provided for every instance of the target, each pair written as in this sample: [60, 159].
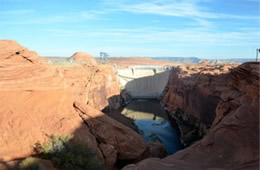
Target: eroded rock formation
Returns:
[11, 51]
[192, 95]
[196, 90]
[111, 133]
[228, 103]
[37, 100]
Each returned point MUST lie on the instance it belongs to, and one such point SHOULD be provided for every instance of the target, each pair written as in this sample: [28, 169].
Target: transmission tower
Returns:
[104, 57]
[257, 52]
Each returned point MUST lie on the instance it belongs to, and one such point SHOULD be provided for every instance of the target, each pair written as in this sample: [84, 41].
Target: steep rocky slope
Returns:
[228, 103]
[38, 99]
[192, 94]
[196, 90]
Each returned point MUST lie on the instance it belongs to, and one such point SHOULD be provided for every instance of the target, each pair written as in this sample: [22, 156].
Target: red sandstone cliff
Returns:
[196, 90]
[38, 99]
[229, 104]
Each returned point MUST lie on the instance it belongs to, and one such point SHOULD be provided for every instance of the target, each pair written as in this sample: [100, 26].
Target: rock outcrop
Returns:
[11, 51]
[37, 100]
[229, 104]
[192, 95]
[196, 90]
[83, 57]
[126, 143]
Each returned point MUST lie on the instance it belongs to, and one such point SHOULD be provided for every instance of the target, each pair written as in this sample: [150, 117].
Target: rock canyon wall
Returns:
[39, 99]
[226, 102]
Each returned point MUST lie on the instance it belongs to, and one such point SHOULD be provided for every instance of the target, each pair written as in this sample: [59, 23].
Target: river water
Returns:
[153, 123]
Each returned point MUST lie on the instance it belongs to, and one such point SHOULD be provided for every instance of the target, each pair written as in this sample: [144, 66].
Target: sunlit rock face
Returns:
[13, 52]
[227, 102]
[38, 99]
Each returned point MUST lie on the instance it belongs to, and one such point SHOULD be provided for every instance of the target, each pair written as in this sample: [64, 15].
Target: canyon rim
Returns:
[216, 108]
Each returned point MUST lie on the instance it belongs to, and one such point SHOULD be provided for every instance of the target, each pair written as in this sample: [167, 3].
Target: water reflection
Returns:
[145, 109]
[152, 122]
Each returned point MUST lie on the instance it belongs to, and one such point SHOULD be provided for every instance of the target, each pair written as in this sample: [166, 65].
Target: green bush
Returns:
[31, 163]
[55, 145]
[67, 156]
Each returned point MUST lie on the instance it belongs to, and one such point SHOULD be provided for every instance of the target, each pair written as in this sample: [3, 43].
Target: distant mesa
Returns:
[83, 57]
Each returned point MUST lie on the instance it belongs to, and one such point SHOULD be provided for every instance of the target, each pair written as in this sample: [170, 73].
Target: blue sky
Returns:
[151, 28]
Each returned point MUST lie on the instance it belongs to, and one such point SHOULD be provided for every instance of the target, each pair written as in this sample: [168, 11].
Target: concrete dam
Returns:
[145, 85]
[144, 81]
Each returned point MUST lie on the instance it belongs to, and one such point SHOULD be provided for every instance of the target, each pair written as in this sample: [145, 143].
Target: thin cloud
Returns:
[203, 23]
[155, 21]
[62, 18]
[90, 15]
[182, 8]
[153, 36]
[190, 9]
[17, 12]
[253, 1]
[166, 9]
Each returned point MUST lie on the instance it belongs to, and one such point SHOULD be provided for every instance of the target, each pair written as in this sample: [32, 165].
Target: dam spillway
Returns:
[144, 82]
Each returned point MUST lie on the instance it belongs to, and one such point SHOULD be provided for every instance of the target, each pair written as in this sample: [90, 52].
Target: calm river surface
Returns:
[152, 122]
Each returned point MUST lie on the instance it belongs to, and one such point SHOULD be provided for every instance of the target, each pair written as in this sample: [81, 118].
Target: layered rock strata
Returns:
[39, 99]
[228, 103]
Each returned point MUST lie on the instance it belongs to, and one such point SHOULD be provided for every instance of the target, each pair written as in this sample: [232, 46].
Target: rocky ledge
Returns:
[225, 100]
[39, 99]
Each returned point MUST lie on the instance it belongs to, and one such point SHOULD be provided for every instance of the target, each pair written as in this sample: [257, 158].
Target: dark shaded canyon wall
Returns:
[196, 90]
[232, 142]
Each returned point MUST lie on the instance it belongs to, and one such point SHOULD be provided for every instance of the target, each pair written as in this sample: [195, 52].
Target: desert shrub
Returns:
[67, 155]
[31, 163]
[55, 145]
[122, 89]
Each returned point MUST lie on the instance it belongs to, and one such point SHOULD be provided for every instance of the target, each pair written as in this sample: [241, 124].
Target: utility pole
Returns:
[257, 51]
